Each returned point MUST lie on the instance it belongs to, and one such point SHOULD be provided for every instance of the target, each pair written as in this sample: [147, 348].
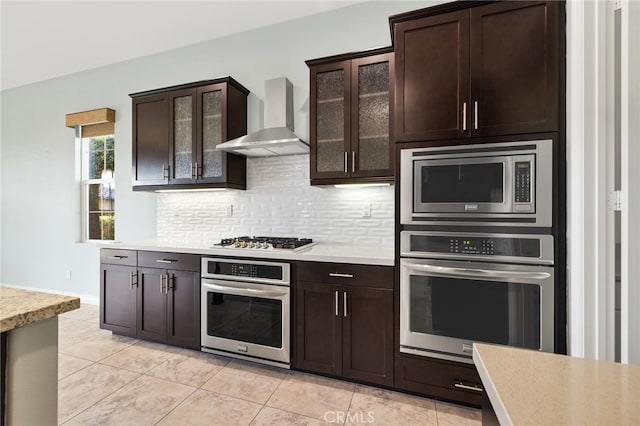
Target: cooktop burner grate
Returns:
[284, 243]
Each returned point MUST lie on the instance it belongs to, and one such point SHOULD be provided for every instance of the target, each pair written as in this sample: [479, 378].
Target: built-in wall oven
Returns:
[246, 309]
[497, 184]
[457, 288]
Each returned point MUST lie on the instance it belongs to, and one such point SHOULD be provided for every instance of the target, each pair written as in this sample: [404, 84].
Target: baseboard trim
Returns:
[84, 298]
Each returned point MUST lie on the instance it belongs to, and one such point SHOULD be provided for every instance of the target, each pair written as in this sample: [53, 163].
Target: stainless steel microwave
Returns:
[507, 183]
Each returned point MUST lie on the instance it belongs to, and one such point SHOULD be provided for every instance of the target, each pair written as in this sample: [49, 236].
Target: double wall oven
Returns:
[476, 248]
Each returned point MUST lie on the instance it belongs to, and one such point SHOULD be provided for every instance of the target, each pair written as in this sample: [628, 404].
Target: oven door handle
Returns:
[473, 272]
[243, 291]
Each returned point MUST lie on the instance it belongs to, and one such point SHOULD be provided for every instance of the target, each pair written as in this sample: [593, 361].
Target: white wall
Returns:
[37, 163]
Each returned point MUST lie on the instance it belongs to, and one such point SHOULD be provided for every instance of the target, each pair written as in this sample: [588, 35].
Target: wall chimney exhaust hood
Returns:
[277, 138]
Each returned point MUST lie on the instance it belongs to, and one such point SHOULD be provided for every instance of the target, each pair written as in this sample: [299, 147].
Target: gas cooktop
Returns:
[267, 243]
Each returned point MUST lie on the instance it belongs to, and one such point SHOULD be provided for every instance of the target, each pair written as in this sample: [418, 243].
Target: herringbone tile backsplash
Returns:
[279, 202]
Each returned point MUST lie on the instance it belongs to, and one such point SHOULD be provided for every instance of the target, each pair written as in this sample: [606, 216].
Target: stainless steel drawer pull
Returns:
[345, 304]
[464, 116]
[118, 257]
[131, 282]
[346, 162]
[337, 313]
[166, 260]
[338, 274]
[475, 115]
[474, 388]
[353, 161]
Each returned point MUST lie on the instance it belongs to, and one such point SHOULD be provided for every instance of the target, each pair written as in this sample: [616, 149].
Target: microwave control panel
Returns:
[523, 182]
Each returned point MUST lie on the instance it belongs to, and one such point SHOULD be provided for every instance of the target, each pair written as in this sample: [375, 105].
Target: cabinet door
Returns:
[150, 140]
[318, 328]
[211, 131]
[432, 77]
[330, 120]
[371, 99]
[368, 334]
[183, 309]
[514, 67]
[152, 304]
[182, 136]
[118, 298]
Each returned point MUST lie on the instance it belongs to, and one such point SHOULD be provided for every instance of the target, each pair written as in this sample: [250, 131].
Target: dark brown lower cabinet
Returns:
[344, 323]
[440, 378]
[148, 302]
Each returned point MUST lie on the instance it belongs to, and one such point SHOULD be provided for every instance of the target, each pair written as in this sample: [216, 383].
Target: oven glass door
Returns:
[446, 306]
[246, 318]
[460, 185]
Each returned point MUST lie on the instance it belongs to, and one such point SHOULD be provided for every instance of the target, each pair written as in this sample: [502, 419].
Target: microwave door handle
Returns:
[473, 272]
[243, 291]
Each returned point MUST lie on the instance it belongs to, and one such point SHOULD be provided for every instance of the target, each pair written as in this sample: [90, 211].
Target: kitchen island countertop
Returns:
[528, 387]
[20, 308]
[321, 252]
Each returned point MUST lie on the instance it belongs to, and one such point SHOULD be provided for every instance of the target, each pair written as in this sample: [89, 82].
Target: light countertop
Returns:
[528, 387]
[24, 307]
[321, 252]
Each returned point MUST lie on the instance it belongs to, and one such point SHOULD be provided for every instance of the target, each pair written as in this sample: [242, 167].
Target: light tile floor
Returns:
[104, 379]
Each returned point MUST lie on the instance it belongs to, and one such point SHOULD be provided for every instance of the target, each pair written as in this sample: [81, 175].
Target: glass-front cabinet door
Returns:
[182, 139]
[330, 124]
[372, 95]
[350, 112]
[211, 132]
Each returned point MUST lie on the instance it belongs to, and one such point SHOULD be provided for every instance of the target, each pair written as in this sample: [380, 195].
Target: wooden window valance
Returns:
[96, 122]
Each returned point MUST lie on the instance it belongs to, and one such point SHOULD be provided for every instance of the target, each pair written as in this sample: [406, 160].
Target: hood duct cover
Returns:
[277, 138]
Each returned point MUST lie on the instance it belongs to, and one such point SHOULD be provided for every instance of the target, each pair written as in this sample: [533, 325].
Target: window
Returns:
[98, 188]
[95, 172]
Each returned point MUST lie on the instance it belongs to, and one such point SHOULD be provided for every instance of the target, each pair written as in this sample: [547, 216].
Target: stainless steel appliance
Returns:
[498, 184]
[451, 297]
[246, 309]
[267, 243]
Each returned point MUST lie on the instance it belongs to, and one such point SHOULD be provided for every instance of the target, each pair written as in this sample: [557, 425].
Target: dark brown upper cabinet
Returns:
[176, 131]
[350, 109]
[487, 70]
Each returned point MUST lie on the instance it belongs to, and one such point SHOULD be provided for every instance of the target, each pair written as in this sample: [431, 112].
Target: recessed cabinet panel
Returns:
[150, 140]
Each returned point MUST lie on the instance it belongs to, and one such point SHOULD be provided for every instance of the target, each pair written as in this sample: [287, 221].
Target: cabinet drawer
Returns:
[345, 273]
[445, 379]
[159, 259]
[119, 257]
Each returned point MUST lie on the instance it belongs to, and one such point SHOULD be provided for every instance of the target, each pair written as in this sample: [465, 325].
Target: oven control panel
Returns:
[472, 246]
[517, 248]
[266, 272]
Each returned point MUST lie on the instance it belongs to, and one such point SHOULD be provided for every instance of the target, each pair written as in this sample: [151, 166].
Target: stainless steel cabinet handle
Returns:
[166, 260]
[194, 171]
[344, 304]
[346, 164]
[464, 116]
[131, 283]
[467, 387]
[165, 171]
[170, 280]
[475, 115]
[198, 171]
[162, 290]
[338, 274]
[353, 161]
[118, 257]
[473, 272]
[337, 313]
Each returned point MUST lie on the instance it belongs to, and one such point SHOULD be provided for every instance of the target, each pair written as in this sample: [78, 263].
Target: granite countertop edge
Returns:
[22, 307]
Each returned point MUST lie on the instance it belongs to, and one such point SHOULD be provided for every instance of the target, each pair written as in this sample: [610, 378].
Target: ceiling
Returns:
[41, 40]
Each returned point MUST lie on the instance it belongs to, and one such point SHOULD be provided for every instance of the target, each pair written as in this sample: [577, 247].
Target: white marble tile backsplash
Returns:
[279, 201]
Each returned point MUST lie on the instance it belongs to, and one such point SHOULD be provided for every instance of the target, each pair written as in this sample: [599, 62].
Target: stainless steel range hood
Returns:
[277, 138]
